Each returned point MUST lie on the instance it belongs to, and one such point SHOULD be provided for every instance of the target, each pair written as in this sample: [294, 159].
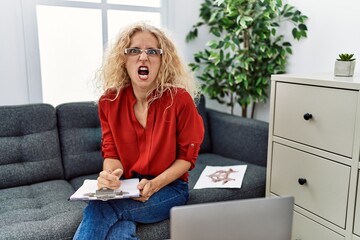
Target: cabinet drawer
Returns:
[333, 116]
[357, 210]
[306, 229]
[325, 192]
[355, 237]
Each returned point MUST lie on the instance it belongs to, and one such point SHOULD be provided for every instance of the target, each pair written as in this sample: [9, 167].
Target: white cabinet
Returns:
[314, 147]
[305, 228]
[357, 211]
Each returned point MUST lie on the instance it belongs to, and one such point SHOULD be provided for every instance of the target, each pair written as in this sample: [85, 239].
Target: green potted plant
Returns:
[345, 65]
[247, 48]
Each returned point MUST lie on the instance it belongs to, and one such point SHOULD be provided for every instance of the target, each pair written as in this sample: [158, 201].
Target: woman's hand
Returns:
[109, 179]
[150, 187]
[147, 189]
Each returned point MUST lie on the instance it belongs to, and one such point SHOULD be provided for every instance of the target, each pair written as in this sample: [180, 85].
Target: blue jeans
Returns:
[117, 219]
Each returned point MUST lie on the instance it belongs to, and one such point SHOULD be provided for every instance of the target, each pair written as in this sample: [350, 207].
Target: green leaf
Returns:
[219, 2]
[288, 14]
[240, 78]
[295, 19]
[246, 83]
[227, 45]
[221, 55]
[294, 33]
[346, 57]
[272, 5]
[273, 31]
[286, 44]
[212, 44]
[220, 45]
[248, 19]
[259, 91]
[288, 50]
[192, 35]
[302, 27]
[213, 56]
[215, 32]
[213, 17]
[258, 81]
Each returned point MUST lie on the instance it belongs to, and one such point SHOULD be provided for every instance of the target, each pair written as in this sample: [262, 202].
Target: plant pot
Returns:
[344, 68]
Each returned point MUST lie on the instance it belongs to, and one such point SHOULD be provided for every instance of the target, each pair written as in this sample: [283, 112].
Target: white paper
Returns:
[128, 187]
[221, 177]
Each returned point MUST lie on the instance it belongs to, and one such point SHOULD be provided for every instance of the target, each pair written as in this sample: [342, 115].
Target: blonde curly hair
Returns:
[172, 74]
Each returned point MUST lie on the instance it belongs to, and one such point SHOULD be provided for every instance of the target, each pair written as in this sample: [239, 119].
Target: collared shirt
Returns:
[174, 130]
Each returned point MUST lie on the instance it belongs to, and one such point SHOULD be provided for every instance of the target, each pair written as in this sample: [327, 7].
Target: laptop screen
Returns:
[250, 219]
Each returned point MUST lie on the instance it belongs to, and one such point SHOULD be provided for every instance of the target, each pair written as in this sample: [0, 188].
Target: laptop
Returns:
[250, 219]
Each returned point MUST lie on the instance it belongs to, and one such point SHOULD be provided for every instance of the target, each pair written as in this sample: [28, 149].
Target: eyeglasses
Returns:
[138, 51]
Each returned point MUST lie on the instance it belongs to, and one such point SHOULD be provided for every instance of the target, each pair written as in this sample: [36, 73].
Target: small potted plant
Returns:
[345, 65]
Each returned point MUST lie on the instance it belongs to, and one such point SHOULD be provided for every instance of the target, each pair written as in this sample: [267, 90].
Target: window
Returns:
[64, 42]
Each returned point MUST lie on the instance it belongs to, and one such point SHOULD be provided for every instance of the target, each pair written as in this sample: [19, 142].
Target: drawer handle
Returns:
[307, 116]
[302, 181]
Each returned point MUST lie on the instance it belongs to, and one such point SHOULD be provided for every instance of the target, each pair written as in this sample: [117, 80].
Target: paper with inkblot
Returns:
[221, 177]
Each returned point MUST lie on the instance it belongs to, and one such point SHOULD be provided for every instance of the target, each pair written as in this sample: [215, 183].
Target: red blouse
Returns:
[174, 130]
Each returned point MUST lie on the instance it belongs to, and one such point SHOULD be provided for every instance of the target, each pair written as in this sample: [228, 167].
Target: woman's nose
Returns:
[143, 56]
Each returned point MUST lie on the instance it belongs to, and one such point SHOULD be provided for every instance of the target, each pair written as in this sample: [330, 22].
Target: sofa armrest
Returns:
[239, 138]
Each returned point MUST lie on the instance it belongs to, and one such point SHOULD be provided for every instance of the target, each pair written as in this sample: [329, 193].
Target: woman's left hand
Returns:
[147, 189]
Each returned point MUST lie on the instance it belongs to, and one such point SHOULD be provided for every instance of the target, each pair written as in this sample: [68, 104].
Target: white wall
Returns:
[333, 28]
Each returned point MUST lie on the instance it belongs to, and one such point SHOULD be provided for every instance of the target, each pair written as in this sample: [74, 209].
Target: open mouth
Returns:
[143, 72]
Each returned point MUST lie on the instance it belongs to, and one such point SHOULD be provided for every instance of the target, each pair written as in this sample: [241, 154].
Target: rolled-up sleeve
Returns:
[108, 148]
[190, 131]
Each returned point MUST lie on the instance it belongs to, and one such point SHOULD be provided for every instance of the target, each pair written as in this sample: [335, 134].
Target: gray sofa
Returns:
[47, 152]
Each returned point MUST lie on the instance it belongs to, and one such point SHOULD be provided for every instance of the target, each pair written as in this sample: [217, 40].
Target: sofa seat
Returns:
[78, 181]
[253, 184]
[39, 211]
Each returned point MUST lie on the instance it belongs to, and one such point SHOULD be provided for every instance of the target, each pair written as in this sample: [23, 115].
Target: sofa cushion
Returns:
[29, 145]
[238, 138]
[154, 231]
[206, 144]
[78, 181]
[253, 184]
[80, 138]
[39, 211]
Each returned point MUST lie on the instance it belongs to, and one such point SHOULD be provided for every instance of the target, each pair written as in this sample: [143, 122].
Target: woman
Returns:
[151, 130]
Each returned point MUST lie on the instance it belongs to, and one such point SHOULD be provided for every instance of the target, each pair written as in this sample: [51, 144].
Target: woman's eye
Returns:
[134, 51]
[151, 52]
